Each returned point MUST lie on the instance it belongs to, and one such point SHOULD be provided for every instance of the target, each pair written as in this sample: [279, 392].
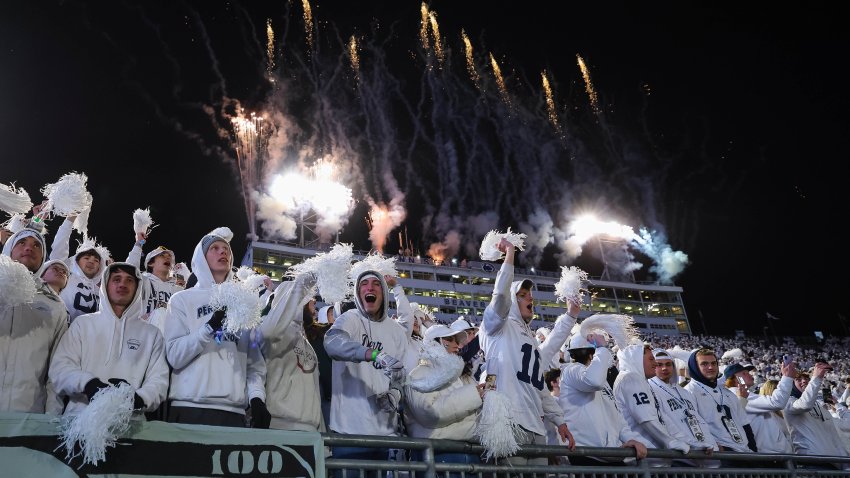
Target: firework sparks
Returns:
[503, 90]
[354, 54]
[269, 46]
[550, 103]
[308, 22]
[588, 85]
[470, 60]
[382, 220]
[423, 29]
[250, 139]
[438, 43]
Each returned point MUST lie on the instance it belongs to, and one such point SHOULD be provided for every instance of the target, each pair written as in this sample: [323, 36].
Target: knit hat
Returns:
[159, 250]
[22, 234]
[369, 275]
[223, 234]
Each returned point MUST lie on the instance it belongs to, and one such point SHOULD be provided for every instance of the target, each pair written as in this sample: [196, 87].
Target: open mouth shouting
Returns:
[370, 298]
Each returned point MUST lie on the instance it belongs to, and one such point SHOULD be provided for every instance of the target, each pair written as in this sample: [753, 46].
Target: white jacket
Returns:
[810, 424]
[768, 427]
[155, 292]
[102, 345]
[82, 294]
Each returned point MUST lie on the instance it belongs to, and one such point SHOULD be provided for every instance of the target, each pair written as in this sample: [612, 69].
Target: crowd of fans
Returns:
[352, 368]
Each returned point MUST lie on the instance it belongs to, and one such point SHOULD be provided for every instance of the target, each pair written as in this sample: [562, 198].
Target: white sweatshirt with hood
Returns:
[155, 292]
[677, 404]
[810, 423]
[81, 295]
[292, 377]
[29, 335]
[206, 374]
[357, 383]
[102, 345]
[516, 359]
[638, 403]
[770, 429]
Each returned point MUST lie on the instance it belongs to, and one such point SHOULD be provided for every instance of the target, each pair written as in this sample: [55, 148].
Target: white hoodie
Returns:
[207, 374]
[81, 295]
[155, 292]
[102, 345]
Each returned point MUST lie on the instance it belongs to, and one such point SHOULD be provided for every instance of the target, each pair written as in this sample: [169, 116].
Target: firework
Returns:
[588, 85]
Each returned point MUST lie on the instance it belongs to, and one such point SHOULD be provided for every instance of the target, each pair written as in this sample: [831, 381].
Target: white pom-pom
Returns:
[81, 223]
[182, 269]
[497, 429]
[679, 353]
[90, 243]
[384, 266]
[16, 223]
[223, 232]
[242, 303]
[331, 272]
[14, 200]
[489, 251]
[619, 327]
[142, 221]
[443, 368]
[735, 353]
[99, 425]
[68, 196]
[569, 285]
[18, 285]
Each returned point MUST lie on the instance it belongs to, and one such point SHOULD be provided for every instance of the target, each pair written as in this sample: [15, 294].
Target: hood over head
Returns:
[200, 268]
[630, 359]
[386, 293]
[515, 287]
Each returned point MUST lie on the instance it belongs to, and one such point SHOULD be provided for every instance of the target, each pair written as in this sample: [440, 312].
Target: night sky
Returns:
[721, 128]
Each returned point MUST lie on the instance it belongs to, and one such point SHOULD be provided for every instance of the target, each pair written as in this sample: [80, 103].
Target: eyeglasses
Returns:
[58, 270]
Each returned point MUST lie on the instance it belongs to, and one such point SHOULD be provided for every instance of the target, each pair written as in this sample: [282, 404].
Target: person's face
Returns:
[218, 258]
[801, 382]
[121, 288]
[525, 301]
[28, 252]
[330, 314]
[648, 363]
[707, 366]
[470, 334]
[371, 295]
[161, 264]
[664, 369]
[89, 264]
[451, 343]
[56, 275]
[416, 326]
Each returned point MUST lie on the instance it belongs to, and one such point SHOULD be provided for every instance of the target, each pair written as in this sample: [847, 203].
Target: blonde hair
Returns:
[767, 390]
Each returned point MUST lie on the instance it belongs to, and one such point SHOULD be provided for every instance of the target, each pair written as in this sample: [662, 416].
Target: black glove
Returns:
[260, 416]
[217, 320]
[93, 386]
[138, 402]
[118, 381]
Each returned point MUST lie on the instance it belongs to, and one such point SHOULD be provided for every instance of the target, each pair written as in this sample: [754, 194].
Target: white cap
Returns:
[439, 331]
[462, 324]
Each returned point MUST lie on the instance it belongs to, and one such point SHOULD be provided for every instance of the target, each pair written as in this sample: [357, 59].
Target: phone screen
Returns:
[741, 380]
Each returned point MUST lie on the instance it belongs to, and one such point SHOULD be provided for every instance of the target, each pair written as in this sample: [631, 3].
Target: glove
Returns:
[387, 361]
[217, 320]
[388, 401]
[138, 402]
[396, 376]
[260, 416]
[117, 381]
[93, 386]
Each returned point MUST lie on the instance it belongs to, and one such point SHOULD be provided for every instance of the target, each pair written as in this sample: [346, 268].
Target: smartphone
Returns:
[741, 380]
[786, 359]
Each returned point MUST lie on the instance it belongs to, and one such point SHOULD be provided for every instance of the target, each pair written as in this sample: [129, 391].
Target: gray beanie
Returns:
[223, 234]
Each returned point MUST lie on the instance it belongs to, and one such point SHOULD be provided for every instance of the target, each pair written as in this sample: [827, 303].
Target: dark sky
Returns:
[722, 126]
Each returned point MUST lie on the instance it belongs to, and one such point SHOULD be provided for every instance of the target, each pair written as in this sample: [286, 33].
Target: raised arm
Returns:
[500, 305]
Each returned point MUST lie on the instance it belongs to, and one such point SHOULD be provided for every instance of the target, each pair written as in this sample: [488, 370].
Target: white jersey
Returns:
[589, 405]
[724, 414]
[770, 429]
[155, 292]
[638, 403]
[810, 424]
[513, 355]
[680, 415]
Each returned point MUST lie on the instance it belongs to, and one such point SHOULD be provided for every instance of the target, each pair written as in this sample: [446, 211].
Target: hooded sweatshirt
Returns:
[810, 423]
[516, 359]
[29, 334]
[102, 345]
[206, 374]
[292, 378]
[638, 403]
[81, 295]
[357, 383]
[720, 408]
[769, 428]
[155, 291]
